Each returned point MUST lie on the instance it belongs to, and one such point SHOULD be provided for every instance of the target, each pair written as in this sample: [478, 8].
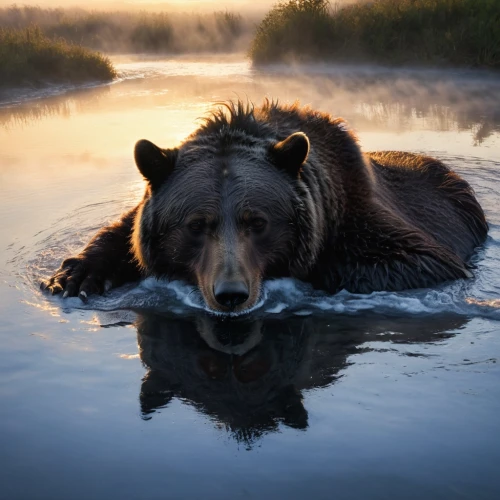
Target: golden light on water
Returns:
[494, 303]
[129, 356]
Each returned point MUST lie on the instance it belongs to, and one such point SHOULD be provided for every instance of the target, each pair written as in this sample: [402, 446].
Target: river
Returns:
[140, 394]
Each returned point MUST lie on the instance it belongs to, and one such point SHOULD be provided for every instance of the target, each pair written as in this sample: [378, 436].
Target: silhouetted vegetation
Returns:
[135, 32]
[41, 44]
[27, 56]
[426, 32]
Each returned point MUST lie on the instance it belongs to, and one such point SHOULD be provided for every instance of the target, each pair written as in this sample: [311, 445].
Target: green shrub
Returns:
[27, 56]
[427, 32]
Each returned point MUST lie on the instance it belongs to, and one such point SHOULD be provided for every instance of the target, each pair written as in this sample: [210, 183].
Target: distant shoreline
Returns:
[115, 32]
[41, 47]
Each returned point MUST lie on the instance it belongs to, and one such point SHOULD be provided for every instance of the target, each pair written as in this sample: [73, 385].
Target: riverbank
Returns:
[28, 57]
[459, 33]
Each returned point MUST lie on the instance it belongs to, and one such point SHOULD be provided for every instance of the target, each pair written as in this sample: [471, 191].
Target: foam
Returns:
[290, 296]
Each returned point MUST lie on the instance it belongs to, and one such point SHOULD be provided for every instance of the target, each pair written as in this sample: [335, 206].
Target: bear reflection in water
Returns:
[249, 376]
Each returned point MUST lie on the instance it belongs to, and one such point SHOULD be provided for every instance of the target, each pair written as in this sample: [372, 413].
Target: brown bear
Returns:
[276, 191]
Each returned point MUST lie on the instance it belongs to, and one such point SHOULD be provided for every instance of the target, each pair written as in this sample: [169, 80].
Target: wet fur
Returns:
[344, 219]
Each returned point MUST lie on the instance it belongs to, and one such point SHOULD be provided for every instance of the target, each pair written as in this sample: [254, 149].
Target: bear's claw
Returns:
[74, 280]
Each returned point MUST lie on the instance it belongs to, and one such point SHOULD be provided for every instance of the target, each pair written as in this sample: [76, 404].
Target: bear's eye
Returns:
[197, 226]
[257, 224]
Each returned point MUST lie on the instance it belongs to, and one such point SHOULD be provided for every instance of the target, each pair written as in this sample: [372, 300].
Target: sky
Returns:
[124, 4]
[187, 5]
[167, 5]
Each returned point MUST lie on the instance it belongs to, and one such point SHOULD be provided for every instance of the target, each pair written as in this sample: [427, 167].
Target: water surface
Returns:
[141, 394]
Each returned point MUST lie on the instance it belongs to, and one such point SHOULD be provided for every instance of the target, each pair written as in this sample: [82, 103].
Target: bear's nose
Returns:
[230, 293]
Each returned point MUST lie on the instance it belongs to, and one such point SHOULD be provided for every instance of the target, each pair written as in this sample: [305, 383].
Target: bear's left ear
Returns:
[154, 164]
[290, 154]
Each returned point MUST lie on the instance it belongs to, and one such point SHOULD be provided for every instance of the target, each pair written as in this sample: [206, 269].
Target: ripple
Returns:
[476, 297]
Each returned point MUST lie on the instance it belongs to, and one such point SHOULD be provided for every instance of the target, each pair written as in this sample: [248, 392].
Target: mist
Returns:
[154, 6]
[241, 6]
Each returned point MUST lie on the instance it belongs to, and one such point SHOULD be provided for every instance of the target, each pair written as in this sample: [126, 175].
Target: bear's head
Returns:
[224, 211]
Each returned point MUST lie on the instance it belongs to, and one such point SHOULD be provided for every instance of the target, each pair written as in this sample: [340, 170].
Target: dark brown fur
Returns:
[332, 216]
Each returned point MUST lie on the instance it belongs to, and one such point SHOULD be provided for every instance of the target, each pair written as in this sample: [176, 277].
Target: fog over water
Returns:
[141, 393]
[154, 5]
[241, 6]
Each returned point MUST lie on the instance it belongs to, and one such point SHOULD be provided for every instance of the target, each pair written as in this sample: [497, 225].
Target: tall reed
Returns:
[421, 32]
[27, 56]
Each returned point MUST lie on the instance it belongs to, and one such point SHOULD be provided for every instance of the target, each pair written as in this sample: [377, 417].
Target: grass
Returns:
[136, 32]
[27, 56]
[420, 32]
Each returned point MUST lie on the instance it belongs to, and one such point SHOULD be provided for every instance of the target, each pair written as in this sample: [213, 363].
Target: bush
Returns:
[29, 57]
[296, 28]
[427, 32]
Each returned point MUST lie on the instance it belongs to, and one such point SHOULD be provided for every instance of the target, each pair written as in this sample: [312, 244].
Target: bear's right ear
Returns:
[290, 154]
[154, 164]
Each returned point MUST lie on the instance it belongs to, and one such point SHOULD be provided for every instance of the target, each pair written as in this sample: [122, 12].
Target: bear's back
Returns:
[431, 197]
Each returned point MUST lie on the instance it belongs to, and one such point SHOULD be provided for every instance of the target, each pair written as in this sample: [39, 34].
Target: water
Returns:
[141, 394]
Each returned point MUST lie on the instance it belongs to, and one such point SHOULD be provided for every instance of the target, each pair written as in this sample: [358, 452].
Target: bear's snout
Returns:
[231, 293]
